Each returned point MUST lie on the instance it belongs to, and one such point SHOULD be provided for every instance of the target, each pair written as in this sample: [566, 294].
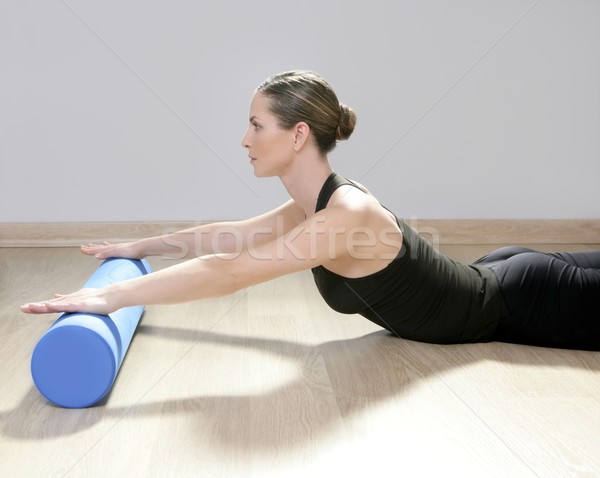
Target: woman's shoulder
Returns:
[358, 200]
[354, 197]
[360, 186]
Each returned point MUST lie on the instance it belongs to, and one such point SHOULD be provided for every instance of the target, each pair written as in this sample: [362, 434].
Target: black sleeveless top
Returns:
[421, 295]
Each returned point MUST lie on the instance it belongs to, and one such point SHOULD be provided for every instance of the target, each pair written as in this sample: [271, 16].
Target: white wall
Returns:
[134, 110]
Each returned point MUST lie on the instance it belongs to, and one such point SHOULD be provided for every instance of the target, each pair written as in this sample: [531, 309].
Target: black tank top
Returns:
[421, 295]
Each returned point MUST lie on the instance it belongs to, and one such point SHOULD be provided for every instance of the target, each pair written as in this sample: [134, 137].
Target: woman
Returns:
[364, 259]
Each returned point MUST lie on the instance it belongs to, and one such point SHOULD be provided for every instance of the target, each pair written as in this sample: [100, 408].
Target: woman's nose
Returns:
[245, 143]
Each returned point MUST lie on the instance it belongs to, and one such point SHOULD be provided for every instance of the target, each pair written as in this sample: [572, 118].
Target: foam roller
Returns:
[76, 361]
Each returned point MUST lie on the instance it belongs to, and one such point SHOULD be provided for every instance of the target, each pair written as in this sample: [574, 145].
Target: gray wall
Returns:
[134, 110]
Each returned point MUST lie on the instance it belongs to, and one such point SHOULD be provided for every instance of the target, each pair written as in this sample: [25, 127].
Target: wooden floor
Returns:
[270, 382]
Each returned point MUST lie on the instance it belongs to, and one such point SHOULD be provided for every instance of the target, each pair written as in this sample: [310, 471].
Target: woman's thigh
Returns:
[549, 299]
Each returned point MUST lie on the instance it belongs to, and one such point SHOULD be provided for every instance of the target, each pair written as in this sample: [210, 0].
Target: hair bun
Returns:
[347, 122]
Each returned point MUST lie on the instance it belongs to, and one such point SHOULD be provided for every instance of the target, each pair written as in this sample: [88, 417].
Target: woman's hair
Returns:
[297, 96]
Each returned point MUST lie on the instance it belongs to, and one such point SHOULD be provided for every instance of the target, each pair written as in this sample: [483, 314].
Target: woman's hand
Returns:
[106, 250]
[91, 301]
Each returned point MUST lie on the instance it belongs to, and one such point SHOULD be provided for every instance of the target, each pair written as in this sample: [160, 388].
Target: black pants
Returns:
[551, 300]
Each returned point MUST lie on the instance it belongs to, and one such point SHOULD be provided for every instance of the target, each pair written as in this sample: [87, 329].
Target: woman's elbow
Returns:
[229, 275]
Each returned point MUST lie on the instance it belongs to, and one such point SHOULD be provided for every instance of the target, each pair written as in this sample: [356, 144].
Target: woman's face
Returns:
[270, 147]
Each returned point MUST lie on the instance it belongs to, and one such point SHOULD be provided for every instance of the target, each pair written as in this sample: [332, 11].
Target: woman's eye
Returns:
[256, 126]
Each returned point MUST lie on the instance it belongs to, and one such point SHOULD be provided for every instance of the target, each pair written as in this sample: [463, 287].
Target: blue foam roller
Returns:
[76, 361]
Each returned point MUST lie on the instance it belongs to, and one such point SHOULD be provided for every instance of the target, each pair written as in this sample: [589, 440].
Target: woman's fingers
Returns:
[85, 300]
[91, 249]
[107, 250]
[29, 308]
[60, 303]
[101, 251]
[39, 308]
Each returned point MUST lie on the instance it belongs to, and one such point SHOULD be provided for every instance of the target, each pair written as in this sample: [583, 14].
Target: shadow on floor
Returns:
[336, 380]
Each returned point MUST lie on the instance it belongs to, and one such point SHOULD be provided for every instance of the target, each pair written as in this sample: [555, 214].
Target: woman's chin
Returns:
[263, 174]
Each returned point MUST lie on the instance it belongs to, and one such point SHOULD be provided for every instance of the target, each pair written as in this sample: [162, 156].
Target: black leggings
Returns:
[551, 300]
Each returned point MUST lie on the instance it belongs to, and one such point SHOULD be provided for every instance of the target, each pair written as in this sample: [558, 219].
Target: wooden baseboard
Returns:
[69, 234]
[506, 231]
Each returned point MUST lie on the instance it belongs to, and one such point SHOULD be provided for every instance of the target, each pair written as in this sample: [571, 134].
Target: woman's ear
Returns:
[301, 133]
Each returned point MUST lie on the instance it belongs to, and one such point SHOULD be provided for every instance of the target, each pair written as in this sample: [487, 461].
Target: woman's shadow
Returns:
[336, 380]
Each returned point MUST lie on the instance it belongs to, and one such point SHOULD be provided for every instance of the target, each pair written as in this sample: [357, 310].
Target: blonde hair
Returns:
[297, 96]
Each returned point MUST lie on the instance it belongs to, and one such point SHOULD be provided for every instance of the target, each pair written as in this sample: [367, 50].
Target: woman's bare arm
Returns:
[317, 240]
[216, 238]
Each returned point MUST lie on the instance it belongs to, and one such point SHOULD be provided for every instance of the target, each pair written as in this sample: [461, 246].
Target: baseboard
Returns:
[462, 231]
[507, 231]
[69, 234]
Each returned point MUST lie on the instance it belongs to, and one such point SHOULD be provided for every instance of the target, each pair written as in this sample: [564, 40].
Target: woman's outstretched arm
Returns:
[319, 239]
[215, 238]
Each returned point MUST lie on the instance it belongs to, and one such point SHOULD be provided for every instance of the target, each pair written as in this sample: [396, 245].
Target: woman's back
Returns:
[421, 295]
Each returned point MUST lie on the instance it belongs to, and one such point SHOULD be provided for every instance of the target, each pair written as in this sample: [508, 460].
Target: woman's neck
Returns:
[304, 181]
